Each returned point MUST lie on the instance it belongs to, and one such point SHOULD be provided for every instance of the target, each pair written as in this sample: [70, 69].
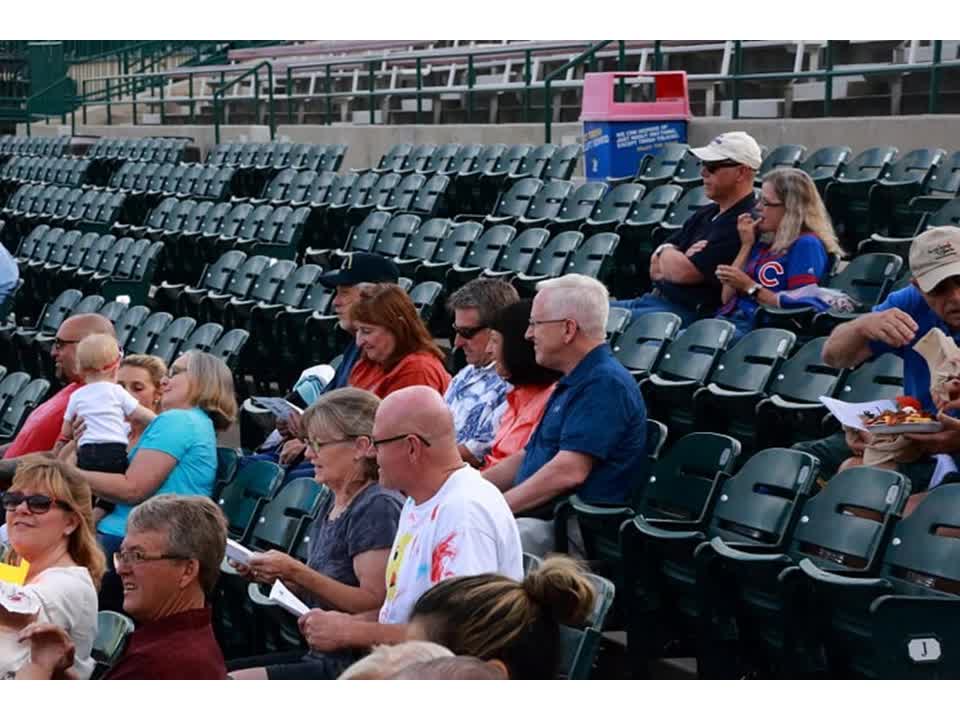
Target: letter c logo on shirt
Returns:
[769, 274]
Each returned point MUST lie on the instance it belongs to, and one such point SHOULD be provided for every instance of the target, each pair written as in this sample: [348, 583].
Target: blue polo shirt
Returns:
[916, 374]
[597, 410]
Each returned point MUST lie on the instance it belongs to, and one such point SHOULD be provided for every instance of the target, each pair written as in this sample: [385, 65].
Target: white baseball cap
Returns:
[736, 146]
[935, 256]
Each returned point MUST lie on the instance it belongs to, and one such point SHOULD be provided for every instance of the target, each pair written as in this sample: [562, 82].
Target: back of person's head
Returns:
[452, 668]
[485, 295]
[388, 306]
[580, 298]
[803, 210]
[345, 412]
[211, 388]
[155, 367]
[388, 660]
[97, 354]
[44, 475]
[495, 618]
[195, 528]
[517, 352]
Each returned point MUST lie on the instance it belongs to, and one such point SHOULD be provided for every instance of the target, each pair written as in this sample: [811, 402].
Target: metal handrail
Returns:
[548, 80]
[223, 87]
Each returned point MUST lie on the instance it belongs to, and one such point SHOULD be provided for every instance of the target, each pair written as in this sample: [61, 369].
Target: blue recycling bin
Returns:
[618, 134]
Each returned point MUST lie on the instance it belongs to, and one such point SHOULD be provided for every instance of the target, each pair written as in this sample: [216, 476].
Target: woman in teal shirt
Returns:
[177, 452]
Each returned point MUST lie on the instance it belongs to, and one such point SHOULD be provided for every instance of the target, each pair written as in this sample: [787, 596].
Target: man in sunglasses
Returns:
[683, 269]
[477, 394]
[42, 427]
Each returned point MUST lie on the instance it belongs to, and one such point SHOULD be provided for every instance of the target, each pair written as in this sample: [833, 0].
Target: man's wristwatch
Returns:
[752, 292]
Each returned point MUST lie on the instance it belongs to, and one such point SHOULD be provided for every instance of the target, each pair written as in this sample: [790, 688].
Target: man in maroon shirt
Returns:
[169, 562]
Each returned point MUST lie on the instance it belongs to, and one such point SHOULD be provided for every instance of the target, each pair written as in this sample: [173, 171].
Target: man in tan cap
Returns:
[932, 300]
[683, 269]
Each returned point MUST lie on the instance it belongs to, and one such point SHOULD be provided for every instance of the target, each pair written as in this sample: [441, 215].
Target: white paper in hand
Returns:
[238, 553]
[282, 596]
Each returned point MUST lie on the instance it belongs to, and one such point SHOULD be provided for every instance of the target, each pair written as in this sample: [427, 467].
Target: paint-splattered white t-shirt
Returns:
[465, 529]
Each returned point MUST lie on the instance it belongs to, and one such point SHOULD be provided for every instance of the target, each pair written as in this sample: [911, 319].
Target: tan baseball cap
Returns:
[935, 256]
[736, 146]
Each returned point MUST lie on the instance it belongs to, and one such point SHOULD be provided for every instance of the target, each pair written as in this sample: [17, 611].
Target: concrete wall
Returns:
[368, 143]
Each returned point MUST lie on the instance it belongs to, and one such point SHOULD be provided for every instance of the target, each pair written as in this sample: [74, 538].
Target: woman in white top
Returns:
[50, 525]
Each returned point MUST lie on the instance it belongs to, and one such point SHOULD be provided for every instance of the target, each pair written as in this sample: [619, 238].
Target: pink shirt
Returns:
[525, 406]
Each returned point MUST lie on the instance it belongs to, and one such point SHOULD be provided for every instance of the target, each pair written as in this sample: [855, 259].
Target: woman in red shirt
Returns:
[396, 349]
[532, 383]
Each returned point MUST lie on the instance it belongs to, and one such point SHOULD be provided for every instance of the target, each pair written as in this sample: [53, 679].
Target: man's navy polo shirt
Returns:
[916, 372]
[723, 244]
[596, 410]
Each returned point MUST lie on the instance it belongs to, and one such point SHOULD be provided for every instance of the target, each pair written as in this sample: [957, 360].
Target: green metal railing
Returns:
[223, 87]
[587, 56]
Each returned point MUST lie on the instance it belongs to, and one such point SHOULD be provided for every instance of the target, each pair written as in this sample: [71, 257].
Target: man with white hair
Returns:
[683, 269]
[592, 438]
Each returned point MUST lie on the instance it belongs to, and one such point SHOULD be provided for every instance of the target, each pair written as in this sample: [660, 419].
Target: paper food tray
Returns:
[927, 427]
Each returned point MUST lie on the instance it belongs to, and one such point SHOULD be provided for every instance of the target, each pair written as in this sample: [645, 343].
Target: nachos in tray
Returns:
[908, 417]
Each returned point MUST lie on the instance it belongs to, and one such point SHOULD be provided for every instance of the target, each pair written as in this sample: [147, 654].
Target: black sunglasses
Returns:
[468, 333]
[36, 504]
[712, 167]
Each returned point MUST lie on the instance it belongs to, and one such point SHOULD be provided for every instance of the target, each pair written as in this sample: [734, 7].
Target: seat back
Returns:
[948, 214]
[662, 164]
[546, 204]
[684, 208]
[868, 278]
[563, 163]
[519, 254]
[130, 321]
[805, 377]
[395, 157]
[113, 310]
[297, 284]
[424, 297]
[11, 384]
[202, 338]
[535, 162]
[749, 365]
[693, 355]
[245, 276]
[594, 258]
[143, 338]
[644, 341]
[554, 256]
[487, 250]
[683, 480]
[169, 341]
[511, 159]
[20, 406]
[364, 236]
[488, 158]
[217, 276]
[430, 199]
[394, 237]
[582, 202]
[782, 156]
[382, 191]
[516, 200]
[406, 192]
[276, 524]
[870, 164]
[88, 305]
[617, 203]
[113, 629]
[454, 247]
[946, 178]
[579, 646]
[880, 378]
[654, 205]
[688, 170]
[266, 286]
[442, 159]
[230, 345]
[241, 499]
[827, 162]
[215, 217]
[424, 242]
[59, 310]
[916, 166]
[760, 502]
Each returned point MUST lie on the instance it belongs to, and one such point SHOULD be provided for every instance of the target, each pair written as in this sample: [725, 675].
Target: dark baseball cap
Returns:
[362, 267]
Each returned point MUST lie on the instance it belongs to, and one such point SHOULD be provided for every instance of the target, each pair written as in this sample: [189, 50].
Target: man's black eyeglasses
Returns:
[712, 167]
[377, 443]
[36, 504]
[468, 333]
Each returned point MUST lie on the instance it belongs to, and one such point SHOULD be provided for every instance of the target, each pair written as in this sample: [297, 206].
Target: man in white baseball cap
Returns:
[683, 269]
[932, 300]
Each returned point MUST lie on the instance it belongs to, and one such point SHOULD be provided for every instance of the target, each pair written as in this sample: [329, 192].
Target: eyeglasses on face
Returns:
[60, 343]
[535, 323]
[377, 443]
[175, 370]
[135, 557]
[712, 167]
[36, 504]
[768, 203]
[317, 445]
[468, 333]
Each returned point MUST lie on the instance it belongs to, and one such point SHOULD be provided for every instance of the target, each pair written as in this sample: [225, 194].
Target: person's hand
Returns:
[945, 441]
[655, 272]
[50, 647]
[325, 630]
[856, 440]
[949, 397]
[747, 229]
[243, 570]
[893, 327]
[79, 427]
[734, 277]
[291, 450]
[289, 426]
[267, 567]
[695, 248]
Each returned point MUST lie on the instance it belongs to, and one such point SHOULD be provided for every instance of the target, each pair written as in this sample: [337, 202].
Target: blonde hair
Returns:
[154, 366]
[211, 388]
[97, 354]
[347, 412]
[581, 298]
[803, 211]
[495, 618]
[387, 660]
[48, 475]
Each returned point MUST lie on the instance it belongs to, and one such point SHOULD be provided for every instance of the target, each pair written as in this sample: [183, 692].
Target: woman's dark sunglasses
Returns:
[36, 504]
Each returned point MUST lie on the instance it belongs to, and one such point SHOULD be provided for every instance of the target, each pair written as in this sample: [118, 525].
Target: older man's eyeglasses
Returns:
[377, 443]
[534, 324]
[36, 504]
[135, 557]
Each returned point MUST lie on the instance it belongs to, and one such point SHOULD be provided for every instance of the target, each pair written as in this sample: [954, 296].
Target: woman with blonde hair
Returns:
[50, 526]
[786, 247]
[177, 452]
[516, 624]
[396, 348]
